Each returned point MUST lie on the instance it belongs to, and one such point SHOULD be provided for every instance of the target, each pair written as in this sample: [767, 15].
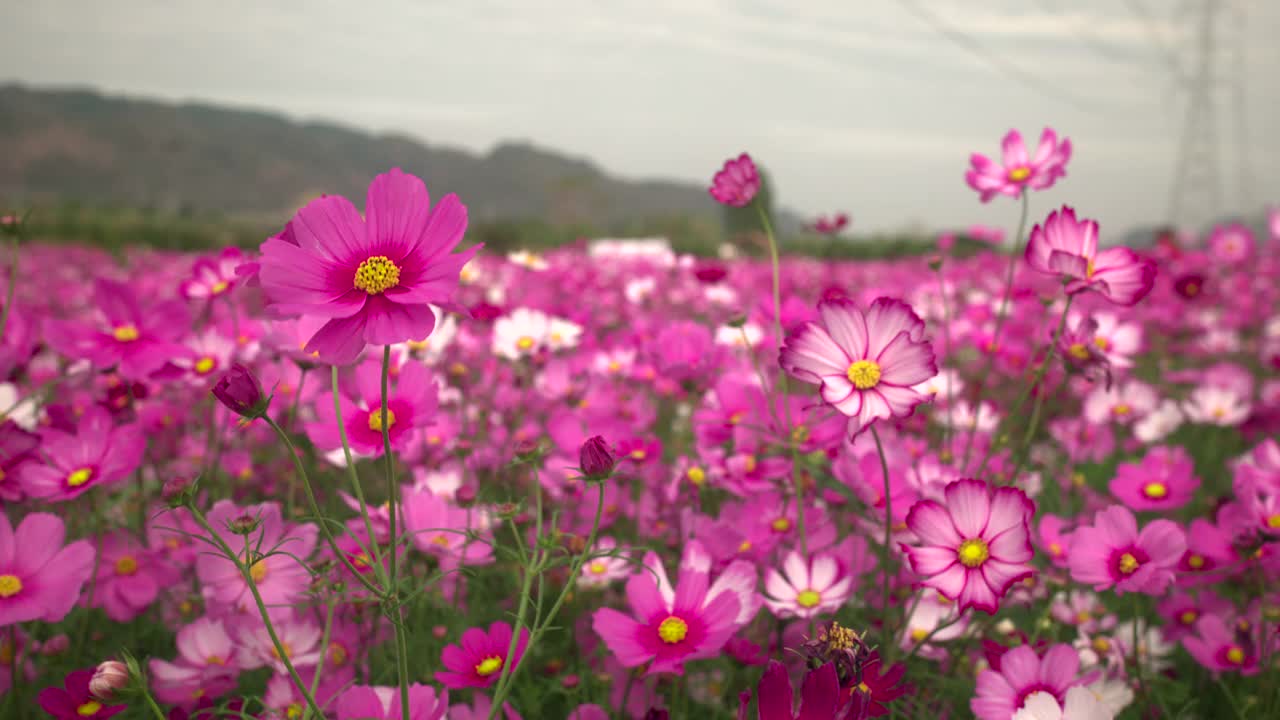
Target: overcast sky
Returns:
[855, 105]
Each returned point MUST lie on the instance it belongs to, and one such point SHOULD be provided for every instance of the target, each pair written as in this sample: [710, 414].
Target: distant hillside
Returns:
[79, 145]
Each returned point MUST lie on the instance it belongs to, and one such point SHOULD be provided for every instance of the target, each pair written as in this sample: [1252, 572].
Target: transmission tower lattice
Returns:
[1196, 193]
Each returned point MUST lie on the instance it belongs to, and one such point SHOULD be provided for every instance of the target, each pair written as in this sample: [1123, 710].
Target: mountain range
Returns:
[79, 145]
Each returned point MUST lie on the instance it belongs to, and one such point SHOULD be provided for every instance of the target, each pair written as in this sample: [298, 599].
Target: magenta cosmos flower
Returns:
[411, 404]
[737, 182]
[73, 701]
[99, 453]
[1164, 480]
[280, 577]
[820, 696]
[1068, 247]
[1018, 171]
[39, 578]
[1217, 647]
[973, 549]
[690, 621]
[865, 363]
[383, 703]
[1113, 554]
[478, 661]
[134, 337]
[374, 278]
[1022, 673]
[805, 589]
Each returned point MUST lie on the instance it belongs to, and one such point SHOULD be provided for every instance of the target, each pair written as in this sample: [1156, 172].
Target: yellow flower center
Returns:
[1088, 269]
[1273, 522]
[864, 374]
[1078, 479]
[1079, 351]
[126, 565]
[214, 660]
[337, 654]
[749, 463]
[125, 333]
[1055, 549]
[1155, 490]
[1129, 564]
[1102, 343]
[918, 634]
[1083, 617]
[639, 454]
[294, 711]
[1101, 645]
[1188, 616]
[89, 709]
[286, 647]
[800, 434]
[862, 687]
[524, 342]
[1019, 174]
[258, 571]
[441, 540]
[1195, 562]
[377, 274]
[696, 475]
[781, 525]
[10, 585]
[973, 552]
[489, 666]
[808, 599]
[80, 477]
[736, 418]
[204, 365]
[673, 630]
[597, 568]
[375, 419]
[745, 546]
[1122, 409]
[219, 287]
[361, 560]
[1235, 655]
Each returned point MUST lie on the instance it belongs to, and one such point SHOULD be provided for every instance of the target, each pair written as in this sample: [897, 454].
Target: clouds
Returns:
[855, 106]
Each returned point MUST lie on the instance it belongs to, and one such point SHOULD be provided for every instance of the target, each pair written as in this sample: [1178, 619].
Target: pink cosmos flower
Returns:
[412, 399]
[1068, 247]
[976, 546]
[439, 527]
[806, 589]
[129, 577]
[1122, 403]
[1080, 704]
[1232, 243]
[478, 661]
[99, 453]
[690, 621]
[280, 578]
[1111, 553]
[1216, 406]
[737, 183]
[212, 276]
[375, 277]
[1217, 647]
[1019, 171]
[39, 578]
[1022, 673]
[830, 226]
[865, 363]
[123, 332]
[73, 701]
[17, 448]
[1162, 481]
[362, 702]
[208, 664]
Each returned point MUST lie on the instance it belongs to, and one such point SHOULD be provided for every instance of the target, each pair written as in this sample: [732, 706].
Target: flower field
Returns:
[372, 471]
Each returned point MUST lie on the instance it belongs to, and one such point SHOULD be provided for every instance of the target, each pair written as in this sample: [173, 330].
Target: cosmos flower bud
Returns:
[244, 524]
[596, 459]
[109, 679]
[177, 491]
[55, 645]
[241, 391]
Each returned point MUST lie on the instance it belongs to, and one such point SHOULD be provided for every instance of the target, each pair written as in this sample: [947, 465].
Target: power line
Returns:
[992, 59]
[1102, 49]
[1162, 48]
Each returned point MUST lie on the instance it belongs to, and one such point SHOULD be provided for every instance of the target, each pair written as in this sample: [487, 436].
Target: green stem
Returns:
[783, 396]
[151, 703]
[1024, 449]
[324, 653]
[888, 529]
[1001, 314]
[392, 597]
[378, 569]
[244, 568]
[315, 509]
